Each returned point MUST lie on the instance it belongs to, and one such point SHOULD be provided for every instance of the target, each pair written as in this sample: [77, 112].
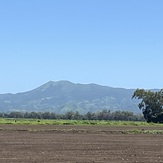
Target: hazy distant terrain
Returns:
[64, 96]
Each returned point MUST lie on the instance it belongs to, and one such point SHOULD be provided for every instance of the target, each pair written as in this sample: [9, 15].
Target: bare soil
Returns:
[78, 144]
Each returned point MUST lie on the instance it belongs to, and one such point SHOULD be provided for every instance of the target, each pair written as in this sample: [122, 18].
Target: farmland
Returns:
[69, 142]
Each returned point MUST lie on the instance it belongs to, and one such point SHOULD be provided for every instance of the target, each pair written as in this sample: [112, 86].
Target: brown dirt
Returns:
[78, 144]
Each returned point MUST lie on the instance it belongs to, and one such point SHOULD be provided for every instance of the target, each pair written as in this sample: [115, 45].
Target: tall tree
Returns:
[151, 104]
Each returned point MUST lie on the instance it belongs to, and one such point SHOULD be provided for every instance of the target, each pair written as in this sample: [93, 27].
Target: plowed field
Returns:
[78, 144]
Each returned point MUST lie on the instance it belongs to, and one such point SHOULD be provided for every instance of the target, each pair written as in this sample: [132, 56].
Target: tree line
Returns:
[70, 115]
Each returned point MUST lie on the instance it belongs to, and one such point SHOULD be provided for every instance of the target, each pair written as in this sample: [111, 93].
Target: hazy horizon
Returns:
[74, 83]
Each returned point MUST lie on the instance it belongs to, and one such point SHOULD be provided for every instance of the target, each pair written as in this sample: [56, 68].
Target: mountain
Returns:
[63, 96]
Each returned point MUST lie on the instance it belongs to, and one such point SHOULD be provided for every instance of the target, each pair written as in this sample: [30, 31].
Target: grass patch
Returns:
[73, 122]
[145, 132]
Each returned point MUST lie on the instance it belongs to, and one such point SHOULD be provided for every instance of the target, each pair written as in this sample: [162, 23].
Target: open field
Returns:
[80, 144]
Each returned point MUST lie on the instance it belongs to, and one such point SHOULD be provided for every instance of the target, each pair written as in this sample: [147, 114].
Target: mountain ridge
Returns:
[63, 96]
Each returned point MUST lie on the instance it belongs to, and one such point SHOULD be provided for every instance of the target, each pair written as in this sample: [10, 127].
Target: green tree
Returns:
[151, 104]
[16, 115]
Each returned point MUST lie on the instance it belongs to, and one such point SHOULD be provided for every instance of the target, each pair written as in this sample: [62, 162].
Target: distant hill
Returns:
[64, 96]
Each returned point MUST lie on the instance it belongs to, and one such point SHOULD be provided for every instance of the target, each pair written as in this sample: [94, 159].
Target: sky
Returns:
[117, 43]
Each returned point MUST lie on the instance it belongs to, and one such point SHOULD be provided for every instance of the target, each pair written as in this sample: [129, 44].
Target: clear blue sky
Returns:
[117, 43]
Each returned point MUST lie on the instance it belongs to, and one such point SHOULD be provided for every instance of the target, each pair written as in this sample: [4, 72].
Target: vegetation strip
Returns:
[145, 132]
[74, 122]
[75, 115]
[135, 131]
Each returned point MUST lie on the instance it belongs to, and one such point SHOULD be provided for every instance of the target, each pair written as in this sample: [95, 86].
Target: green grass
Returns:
[134, 125]
[145, 132]
[72, 122]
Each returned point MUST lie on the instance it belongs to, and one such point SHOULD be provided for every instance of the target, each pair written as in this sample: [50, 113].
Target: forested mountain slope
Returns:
[64, 96]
